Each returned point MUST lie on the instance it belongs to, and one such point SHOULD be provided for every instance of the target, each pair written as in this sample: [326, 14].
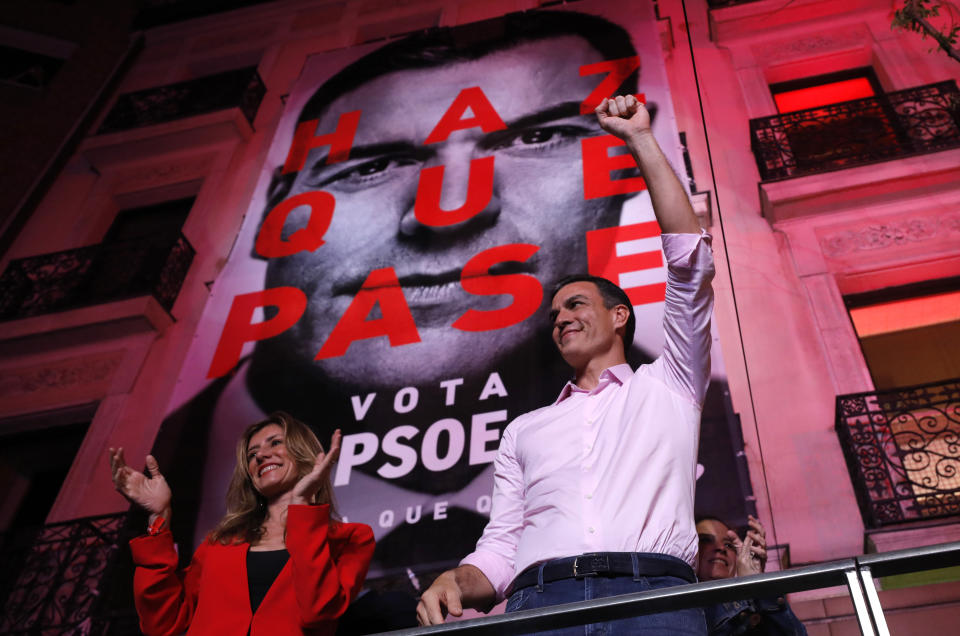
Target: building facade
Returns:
[824, 149]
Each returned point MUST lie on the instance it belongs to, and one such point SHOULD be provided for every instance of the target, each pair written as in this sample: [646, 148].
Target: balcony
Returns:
[72, 280]
[186, 115]
[895, 125]
[241, 88]
[903, 451]
[62, 579]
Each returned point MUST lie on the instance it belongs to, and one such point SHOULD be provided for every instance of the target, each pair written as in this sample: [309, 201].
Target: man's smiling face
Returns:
[537, 199]
[584, 328]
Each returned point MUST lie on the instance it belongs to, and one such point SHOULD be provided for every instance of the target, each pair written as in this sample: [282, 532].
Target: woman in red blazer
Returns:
[279, 562]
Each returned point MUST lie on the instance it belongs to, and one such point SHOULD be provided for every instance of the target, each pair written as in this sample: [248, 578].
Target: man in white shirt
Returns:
[593, 494]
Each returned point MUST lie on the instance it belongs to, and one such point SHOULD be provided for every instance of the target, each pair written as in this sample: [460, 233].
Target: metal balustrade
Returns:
[64, 578]
[241, 88]
[857, 574]
[54, 577]
[902, 449]
[95, 274]
[858, 132]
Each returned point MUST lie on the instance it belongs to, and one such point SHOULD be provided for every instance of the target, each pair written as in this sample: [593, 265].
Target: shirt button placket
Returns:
[587, 439]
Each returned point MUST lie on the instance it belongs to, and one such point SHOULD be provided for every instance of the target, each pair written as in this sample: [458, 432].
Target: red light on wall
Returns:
[911, 313]
[823, 94]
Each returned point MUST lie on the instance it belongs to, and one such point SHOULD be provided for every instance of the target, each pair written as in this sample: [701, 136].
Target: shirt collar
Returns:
[618, 374]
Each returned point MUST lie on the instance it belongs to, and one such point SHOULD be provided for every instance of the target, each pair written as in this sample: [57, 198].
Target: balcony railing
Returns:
[64, 578]
[903, 451]
[856, 573]
[96, 274]
[241, 88]
[56, 578]
[862, 131]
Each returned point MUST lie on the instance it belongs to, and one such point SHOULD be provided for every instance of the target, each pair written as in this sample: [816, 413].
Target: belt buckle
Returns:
[590, 565]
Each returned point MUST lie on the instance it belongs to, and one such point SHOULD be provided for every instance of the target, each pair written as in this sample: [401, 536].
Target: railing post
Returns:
[873, 600]
[859, 602]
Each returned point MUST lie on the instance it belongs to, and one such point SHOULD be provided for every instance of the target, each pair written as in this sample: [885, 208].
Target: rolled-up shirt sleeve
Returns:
[688, 308]
[496, 550]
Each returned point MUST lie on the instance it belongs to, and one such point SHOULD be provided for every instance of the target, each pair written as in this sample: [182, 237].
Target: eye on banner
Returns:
[394, 271]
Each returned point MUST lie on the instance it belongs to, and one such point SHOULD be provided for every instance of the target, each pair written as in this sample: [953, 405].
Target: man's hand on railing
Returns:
[440, 598]
[464, 586]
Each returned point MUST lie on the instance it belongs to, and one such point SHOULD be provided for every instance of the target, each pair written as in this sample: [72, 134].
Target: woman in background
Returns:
[279, 562]
[723, 555]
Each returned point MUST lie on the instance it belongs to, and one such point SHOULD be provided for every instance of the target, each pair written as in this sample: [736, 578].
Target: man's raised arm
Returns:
[628, 119]
[463, 586]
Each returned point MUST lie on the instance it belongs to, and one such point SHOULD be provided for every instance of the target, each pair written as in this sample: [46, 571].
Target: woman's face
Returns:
[717, 559]
[271, 468]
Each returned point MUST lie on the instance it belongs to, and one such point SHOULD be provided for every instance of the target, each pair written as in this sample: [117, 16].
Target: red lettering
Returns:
[484, 115]
[526, 290]
[427, 208]
[617, 71]
[238, 330]
[382, 287]
[305, 139]
[598, 165]
[602, 259]
[270, 243]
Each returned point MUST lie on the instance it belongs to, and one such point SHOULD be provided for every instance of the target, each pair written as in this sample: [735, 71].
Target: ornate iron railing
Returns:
[95, 274]
[903, 451]
[241, 88]
[862, 131]
[56, 576]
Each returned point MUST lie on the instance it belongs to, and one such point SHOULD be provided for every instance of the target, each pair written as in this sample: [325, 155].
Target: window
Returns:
[822, 90]
[827, 127]
[909, 334]
[36, 452]
[30, 59]
[161, 221]
[137, 248]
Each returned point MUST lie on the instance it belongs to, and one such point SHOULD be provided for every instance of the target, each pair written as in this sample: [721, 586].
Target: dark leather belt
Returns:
[603, 564]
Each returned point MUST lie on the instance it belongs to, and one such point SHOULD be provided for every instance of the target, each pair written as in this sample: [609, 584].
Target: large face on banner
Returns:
[534, 202]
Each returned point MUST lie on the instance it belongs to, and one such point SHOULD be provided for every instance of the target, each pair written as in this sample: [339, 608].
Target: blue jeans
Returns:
[689, 621]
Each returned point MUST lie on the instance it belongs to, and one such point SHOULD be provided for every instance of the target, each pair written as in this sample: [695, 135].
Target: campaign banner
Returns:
[393, 274]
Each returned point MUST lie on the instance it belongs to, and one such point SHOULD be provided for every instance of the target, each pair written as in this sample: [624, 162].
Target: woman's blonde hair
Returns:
[246, 507]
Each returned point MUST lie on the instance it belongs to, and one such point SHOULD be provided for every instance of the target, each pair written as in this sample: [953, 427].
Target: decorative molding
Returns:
[156, 174]
[878, 236]
[786, 50]
[260, 33]
[69, 375]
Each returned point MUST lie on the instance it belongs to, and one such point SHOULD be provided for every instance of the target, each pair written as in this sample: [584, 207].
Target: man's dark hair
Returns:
[441, 46]
[612, 296]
